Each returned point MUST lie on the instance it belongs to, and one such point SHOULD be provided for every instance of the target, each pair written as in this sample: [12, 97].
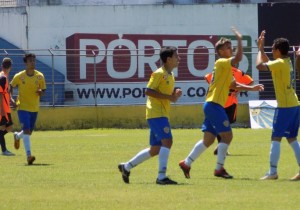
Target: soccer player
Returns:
[31, 86]
[160, 91]
[6, 120]
[286, 116]
[232, 100]
[216, 121]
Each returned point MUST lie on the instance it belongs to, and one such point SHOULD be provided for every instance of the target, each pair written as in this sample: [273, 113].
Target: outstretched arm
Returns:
[238, 86]
[261, 58]
[239, 53]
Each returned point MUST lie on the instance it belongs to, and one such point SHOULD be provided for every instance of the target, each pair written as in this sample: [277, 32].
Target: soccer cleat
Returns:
[269, 177]
[222, 173]
[17, 141]
[125, 173]
[7, 153]
[185, 168]
[165, 181]
[30, 160]
[296, 177]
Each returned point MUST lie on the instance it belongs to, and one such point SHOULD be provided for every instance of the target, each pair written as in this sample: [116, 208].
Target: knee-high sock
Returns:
[163, 158]
[20, 134]
[296, 148]
[222, 150]
[26, 140]
[2, 141]
[198, 149]
[274, 156]
[139, 158]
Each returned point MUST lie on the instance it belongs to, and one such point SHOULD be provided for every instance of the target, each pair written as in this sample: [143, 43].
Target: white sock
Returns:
[296, 147]
[26, 140]
[20, 134]
[163, 157]
[274, 156]
[139, 158]
[198, 149]
[222, 150]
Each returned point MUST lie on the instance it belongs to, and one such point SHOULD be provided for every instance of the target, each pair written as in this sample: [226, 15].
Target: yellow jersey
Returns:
[221, 79]
[28, 99]
[163, 82]
[281, 70]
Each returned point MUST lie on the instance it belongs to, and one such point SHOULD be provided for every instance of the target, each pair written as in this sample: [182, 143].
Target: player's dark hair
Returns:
[6, 63]
[166, 52]
[221, 43]
[283, 45]
[28, 55]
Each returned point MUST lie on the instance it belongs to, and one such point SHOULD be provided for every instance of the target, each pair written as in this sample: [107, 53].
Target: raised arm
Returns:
[261, 58]
[298, 62]
[239, 52]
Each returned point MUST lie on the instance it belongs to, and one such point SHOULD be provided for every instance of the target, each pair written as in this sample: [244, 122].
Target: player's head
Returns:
[223, 47]
[6, 63]
[28, 56]
[29, 60]
[167, 52]
[282, 45]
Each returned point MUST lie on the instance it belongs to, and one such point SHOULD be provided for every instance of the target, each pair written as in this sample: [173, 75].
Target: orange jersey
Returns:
[240, 77]
[4, 92]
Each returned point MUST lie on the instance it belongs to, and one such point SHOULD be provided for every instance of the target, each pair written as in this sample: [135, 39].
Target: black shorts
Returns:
[231, 112]
[6, 122]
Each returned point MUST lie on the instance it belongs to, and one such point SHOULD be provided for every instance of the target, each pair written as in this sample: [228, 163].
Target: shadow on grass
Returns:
[38, 164]
[241, 155]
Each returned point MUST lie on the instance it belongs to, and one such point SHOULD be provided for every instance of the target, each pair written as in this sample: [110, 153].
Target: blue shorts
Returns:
[286, 122]
[159, 129]
[27, 119]
[216, 119]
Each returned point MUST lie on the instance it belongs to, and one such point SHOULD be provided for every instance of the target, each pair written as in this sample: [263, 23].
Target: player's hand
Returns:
[258, 87]
[13, 103]
[40, 92]
[177, 93]
[298, 52]
[261, 41]
[237, 33]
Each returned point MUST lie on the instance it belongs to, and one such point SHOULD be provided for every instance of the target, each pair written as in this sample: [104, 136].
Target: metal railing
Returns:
[112, 77]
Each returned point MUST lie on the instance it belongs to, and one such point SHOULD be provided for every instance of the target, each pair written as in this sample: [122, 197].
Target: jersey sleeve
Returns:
[241, 77]
[154, 81]
[42, 82]
[14, 81]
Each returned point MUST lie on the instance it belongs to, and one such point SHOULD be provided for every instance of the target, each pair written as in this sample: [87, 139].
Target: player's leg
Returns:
[292, 137]
[280, 125]
[222, 126]
[141, 156]
[202, 145]
[8, 128]
[162, 130]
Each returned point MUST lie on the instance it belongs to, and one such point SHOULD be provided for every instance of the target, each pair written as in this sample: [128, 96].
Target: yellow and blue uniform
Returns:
[286, 117]
[158, 110]
[28, 100]
[216, 119]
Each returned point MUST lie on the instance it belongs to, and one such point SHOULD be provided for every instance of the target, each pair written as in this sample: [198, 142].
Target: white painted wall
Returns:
[55, 23]
[49, 26]
[13, 23]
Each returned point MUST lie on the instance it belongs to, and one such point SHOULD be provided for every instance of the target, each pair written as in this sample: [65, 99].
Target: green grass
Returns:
[78, 170]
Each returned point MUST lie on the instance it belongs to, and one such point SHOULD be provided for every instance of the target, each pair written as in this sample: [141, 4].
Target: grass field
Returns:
[78, 170]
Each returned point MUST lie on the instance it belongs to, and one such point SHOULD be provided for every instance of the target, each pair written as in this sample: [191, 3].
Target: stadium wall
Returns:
[66, 118]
